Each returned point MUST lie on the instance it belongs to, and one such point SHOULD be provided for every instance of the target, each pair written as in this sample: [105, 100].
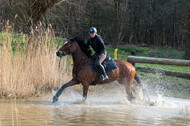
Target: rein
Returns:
[76, 69]
[59, 72]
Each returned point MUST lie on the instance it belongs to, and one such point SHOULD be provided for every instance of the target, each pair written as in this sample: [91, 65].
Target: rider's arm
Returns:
[101, 45]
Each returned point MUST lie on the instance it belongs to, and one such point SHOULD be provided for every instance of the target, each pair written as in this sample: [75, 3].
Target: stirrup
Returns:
[105, 77]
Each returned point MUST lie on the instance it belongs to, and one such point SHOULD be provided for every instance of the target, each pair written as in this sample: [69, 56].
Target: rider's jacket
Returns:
[97, 44]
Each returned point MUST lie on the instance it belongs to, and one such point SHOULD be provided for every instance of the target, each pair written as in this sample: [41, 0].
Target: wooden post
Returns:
[135, 59]
[165, 72]
[133, 53]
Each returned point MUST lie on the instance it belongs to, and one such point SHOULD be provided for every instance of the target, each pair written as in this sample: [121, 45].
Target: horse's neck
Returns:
[79, 57]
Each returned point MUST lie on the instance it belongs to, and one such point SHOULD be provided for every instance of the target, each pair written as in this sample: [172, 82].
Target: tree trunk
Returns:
[116, 24]
[187, 51]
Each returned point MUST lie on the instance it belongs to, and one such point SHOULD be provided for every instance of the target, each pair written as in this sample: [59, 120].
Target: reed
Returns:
[29, 69]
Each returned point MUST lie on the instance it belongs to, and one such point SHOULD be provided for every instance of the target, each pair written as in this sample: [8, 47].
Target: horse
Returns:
[84, 74]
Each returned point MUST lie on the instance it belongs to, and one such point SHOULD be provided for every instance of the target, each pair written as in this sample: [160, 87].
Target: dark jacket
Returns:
[97, 44]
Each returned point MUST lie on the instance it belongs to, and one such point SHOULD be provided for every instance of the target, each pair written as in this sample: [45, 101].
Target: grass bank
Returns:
[125, 51]
[166, 85]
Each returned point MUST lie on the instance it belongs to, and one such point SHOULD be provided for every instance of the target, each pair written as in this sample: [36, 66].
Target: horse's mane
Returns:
[84, 47]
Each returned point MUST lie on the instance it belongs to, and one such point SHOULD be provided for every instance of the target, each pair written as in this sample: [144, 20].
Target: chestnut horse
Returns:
[83, 72]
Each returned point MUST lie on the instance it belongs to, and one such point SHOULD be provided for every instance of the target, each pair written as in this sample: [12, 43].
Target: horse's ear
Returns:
[72, 39]
[77, 38]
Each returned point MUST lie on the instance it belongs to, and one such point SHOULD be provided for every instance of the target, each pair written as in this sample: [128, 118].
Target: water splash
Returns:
[53, 92]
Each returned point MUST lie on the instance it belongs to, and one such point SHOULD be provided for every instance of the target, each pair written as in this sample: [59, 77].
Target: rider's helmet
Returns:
[92, 30]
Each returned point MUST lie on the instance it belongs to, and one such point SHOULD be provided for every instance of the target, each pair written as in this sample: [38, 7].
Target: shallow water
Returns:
[105, 106]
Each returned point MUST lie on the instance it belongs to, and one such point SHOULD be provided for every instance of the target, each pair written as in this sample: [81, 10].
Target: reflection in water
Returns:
[105, 106]
[21, 113]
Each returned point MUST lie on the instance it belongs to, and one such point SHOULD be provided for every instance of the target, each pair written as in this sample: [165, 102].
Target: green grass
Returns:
[19, 41]
[60, 41]
[123, 52]
[148, 52]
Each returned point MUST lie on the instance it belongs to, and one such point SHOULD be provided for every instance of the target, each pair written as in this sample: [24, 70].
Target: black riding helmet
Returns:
[92, 30]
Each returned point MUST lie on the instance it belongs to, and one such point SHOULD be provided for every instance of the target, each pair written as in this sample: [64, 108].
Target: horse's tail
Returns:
[138, 79]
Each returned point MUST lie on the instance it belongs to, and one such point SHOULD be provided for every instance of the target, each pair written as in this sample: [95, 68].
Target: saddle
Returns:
[108, 64]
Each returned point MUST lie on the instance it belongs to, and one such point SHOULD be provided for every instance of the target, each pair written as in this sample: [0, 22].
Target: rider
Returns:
[96, 42]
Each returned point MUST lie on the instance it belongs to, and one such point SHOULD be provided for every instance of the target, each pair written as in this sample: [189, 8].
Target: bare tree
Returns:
[31, 11]
[158, 23]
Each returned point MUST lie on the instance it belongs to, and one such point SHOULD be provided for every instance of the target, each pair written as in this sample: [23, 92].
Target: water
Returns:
[106, 106]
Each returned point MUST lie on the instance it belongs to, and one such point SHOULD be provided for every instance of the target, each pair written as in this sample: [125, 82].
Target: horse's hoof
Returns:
[130, 98]
[83, 99]
[55, 99]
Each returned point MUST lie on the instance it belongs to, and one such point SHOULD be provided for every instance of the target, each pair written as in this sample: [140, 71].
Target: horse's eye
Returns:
[67, 44]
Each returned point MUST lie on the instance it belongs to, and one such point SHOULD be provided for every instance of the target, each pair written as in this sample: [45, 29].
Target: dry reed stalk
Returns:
[24, 75]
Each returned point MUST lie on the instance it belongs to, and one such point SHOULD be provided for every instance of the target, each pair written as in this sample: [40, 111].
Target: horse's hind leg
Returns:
[128, 81]
[128, 91]
[140, 86]
[127, 84]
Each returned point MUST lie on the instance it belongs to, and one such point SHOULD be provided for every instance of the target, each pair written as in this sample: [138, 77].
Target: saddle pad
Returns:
[109, 64]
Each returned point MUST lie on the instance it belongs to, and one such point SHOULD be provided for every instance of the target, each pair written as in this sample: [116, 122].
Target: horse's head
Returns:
[68, 47]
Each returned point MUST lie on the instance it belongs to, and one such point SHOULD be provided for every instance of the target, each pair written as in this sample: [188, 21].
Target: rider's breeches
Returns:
[98, 62]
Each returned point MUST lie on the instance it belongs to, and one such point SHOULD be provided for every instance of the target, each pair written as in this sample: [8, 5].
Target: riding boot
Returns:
[103, 72]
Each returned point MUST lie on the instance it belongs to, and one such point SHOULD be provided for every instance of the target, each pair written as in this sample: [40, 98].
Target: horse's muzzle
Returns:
[59, 54]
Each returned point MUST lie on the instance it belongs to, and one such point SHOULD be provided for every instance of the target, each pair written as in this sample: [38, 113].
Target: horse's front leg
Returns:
[70, 83]
[85, 91]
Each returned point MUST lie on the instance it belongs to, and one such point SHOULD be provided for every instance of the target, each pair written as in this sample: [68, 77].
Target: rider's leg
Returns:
[100, 67]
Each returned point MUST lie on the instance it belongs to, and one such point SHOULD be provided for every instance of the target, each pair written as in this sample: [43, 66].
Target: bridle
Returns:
[68, 50]
[76, 69]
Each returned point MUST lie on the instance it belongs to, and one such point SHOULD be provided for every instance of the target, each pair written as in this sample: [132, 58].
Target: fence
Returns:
[166, 61]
